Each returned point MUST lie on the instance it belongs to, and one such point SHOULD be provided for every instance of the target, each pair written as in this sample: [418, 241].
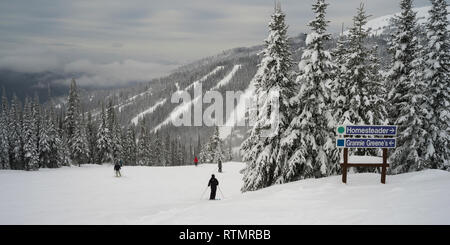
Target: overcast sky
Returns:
[115, 40]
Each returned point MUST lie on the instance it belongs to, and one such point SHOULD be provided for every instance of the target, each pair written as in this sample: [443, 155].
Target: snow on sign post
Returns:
[365, 130]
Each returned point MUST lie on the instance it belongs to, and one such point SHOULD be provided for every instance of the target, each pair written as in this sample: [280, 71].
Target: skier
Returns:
[117, 169]
[213, 182]
[220, 165]
[196, 161]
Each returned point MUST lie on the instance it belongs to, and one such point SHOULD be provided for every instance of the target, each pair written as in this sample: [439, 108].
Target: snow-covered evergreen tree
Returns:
[214, 150]
[15, 136]
[91, 133]
[309, 140]
[129, 147]
[143, 150]
[31, 152]
[218, 147]
[116, 142]
[72, 113]
[37, 112]
[167, 151]
[4, 133]
[158, 154]
[206, 153]
[436, 75]
[357, 89]
[115, 133]
[198, 148]
[103, 139]
[49, 142]
[406, 97]
[80, 145]
[273, 85]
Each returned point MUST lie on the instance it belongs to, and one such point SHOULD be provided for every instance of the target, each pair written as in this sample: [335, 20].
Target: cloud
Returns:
[116, 73]
[139, 39]
[28, 63]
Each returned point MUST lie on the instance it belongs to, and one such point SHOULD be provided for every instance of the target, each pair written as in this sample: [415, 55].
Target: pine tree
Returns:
[114, 132]
[129, 147]
[31, 153]
[308, 142]
[217, 148]
[15, 137]
[91, 133]
[103, 140]
[116, 143]
[167, 151]
[158, 148]
[199, 147]
[72, 114]
[359, 79]
[143, 153]
[206, 153]
[44, 140]
[4, 133]
[357, 89]
[273, 86]
[37, 118]
[80, 147]
[436, 74]
[406, 96]
[49, 142]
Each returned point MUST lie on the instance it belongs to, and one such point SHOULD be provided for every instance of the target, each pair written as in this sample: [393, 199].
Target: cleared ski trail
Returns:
[180, 109]
[171, 195]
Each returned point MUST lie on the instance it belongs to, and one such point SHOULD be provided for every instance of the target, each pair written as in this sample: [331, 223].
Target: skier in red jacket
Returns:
[196, 161]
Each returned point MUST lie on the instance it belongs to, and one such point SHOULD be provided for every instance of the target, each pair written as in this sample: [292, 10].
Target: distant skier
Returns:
[121, 163]
[213, 182]
[220, 165]
[117, 169]
[195, 161]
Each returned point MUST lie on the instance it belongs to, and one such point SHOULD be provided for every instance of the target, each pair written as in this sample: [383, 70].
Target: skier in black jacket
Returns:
[117, 168]
[213, 182]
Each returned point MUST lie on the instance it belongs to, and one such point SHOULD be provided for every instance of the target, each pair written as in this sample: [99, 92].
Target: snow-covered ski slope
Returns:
[237, 116]
[380, 24]
[180, 109]
[132, 99]
[150, 110]
[158, 195]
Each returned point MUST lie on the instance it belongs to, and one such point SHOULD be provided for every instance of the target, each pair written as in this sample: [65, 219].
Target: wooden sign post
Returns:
[345, 142]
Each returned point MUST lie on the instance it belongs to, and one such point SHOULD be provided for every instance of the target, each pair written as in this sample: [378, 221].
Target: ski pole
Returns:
[204, 192]
[221, 192]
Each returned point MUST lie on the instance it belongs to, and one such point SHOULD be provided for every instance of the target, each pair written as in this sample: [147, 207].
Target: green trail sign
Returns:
[380, 130]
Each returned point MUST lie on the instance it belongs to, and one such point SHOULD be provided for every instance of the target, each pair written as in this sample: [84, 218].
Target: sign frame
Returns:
[387, 140]
[344, 130]
[342, 133]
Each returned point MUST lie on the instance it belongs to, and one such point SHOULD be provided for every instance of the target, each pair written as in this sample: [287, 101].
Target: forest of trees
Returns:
[342, 80]
[347, 85]
[35, 136]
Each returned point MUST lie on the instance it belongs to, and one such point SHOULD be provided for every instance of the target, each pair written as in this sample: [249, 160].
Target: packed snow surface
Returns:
[90, 194]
